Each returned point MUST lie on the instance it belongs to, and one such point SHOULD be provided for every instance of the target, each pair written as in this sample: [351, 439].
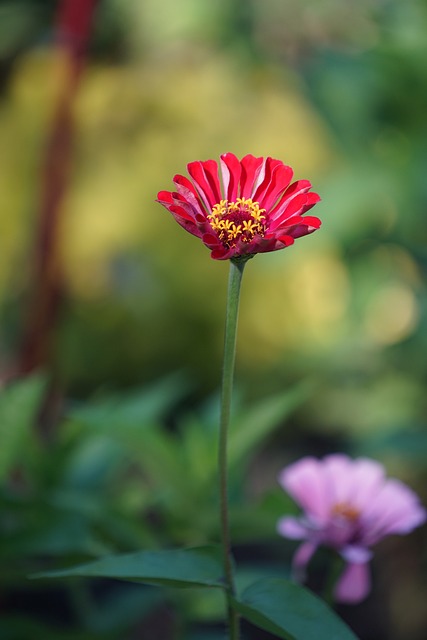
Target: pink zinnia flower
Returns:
[250, 207]
[348, 505]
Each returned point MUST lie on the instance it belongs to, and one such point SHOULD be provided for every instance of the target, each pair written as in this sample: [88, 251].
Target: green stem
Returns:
[337, 565]
[234, 282]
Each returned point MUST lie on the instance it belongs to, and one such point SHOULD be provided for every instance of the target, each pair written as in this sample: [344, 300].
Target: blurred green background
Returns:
[333, 331]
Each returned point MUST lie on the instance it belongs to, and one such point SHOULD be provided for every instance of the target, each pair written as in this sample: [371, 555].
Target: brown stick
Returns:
[72, 32]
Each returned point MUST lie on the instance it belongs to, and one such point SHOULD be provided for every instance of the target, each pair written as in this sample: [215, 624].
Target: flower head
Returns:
[348, 505]
[249, 207]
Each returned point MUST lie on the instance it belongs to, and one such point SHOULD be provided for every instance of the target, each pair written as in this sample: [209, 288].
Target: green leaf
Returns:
[290, 612]
[18, 626]
[200, 566]
[407, 441]
[250, 428]
[132, 410]
[115, 613]
[19, 404]
[198, 443]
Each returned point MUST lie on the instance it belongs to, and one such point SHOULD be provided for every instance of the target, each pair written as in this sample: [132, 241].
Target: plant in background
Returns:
[348, 505]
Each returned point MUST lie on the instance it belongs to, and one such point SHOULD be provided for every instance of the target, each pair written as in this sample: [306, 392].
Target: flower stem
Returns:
[232, 312]
[337, 566]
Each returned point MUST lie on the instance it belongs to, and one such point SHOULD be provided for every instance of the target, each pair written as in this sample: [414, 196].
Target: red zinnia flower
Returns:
[252, 207]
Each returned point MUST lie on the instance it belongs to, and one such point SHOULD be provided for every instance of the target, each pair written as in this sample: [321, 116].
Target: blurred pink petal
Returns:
[354, 584]
[292, 528]
[356, 555]
[304, 481]
[349, 505]
[394, 509]
[303, 554]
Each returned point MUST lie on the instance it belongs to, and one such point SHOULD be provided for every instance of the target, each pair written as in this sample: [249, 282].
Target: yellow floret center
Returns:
[345, 511]
[240, 220]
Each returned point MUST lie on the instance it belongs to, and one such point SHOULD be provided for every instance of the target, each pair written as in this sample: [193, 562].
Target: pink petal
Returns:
[356, 554]
[339, 478]
[368, 476]
[231, 171]
[354, 481]
[304, 554]
[292, 528]
[305, 482]
[395, 508]
[301, 559]
[354, 584]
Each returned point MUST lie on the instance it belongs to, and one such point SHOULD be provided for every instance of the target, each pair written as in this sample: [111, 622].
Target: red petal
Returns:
[231, 171]
[299, 226]
[175, 201]
[297, 205]
[298, 187]
[290, 209]
[218, 254]
[273, 243]
[312, 221]
[164, 196]
[183, 181]
[186, 189]
[295, 189]
[265, 180]
[294, 221]
[211, 240]
[251, 168]
[312, 199]
[277, 179]
[205, 176]
[286, 240]
[176, 209]
[187, 223]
